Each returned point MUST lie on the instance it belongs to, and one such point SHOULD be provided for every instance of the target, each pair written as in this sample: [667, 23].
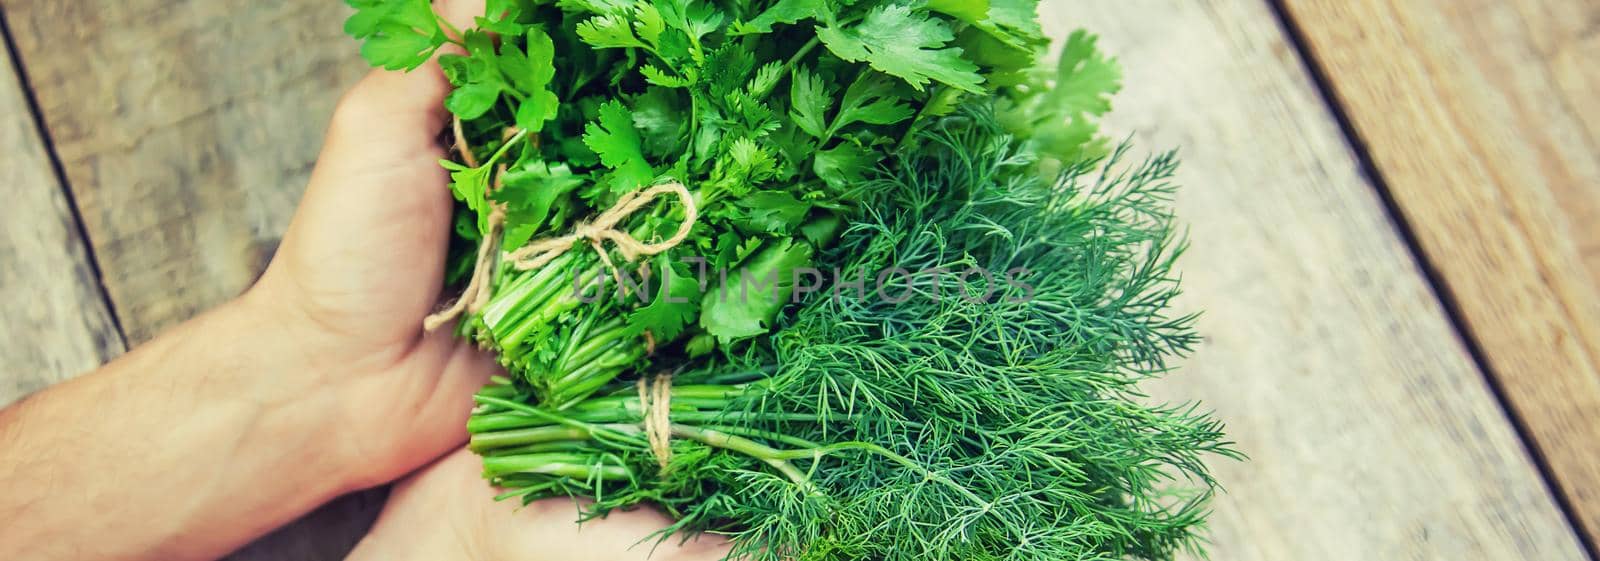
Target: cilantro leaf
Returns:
[477, 76]
[398, 34]
[472, 100]
[695, 20]
[765, 79]
[648, 23]
[528, 193]
[658, 77]
[659, 116]
[1059, 118]
[1019, 19]
[754, 293]
[843, 165]
[970, 11]
[531, 73]
[772, 212]
[1085, 78]
[784, 11]
[470, 185]
[870, 99]
[501, 17]
[810, 100]
[671, 307]
[618, 144]
[609, 31]
[748, 163]
[899, 42]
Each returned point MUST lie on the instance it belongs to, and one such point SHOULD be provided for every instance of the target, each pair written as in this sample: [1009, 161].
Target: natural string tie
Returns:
[655, 411]
[539, 253]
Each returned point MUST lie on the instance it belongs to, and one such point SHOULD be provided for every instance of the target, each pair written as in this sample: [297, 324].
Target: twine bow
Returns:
[539, 253]
[655, 411]
[604, 228]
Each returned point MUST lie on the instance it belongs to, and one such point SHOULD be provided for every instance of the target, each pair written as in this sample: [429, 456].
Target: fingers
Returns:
[549, 527]
[447, 513]
[429, 516]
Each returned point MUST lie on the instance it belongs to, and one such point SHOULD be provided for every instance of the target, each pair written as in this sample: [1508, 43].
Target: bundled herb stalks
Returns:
[626, 167]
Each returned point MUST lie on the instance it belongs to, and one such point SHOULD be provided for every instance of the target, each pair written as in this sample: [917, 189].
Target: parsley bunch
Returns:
[828, 135]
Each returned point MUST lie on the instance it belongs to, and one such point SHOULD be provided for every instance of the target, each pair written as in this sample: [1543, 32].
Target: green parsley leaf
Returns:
[810, 99]
[754, 293]
[398, 34]
[899, 42]
[843, 165]
[528, 193]
[470, 186]
[618, 144]
[784, 11]
[870, 99]
[531, 74]
[672, 306]
[609, 31]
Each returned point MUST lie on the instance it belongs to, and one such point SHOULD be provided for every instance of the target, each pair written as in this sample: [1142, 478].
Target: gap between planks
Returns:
[42, 130]
[1540, 419]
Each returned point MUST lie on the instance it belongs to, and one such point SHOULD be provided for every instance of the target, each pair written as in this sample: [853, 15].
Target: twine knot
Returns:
[655, 412]
[603, 228]
[538, 253]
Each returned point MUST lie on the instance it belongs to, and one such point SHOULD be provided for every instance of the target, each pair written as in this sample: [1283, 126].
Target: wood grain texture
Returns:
[57, 324]
[1483, 118]
[1371, 433]
[187, 130]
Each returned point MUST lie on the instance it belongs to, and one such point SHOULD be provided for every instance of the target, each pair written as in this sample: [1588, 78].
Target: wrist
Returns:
[215, 425]
[335, 382]
[261, 373]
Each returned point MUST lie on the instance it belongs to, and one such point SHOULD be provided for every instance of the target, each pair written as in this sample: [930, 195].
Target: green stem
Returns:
[748, 447]
[594, 430]
[518, 437]
[521, 134]
[506, 421]
[576, 466]
[454, 35]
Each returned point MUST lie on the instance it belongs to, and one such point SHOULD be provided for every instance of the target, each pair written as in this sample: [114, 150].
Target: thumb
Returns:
[375, 217]
[392, 115]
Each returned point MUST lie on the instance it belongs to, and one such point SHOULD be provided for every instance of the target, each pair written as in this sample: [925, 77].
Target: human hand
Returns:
[316, 382]
[361, 265]
[446, 513]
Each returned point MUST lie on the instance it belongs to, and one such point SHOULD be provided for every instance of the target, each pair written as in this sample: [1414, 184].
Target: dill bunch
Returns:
[948, 418]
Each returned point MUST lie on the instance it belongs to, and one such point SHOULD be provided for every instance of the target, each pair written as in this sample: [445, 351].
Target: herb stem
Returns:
[452, 33]
[757, 450]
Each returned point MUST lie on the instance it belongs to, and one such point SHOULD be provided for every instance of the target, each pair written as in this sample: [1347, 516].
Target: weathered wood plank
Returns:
[187, 131]
[1483, 118]
[56, 322]
[1371, 433]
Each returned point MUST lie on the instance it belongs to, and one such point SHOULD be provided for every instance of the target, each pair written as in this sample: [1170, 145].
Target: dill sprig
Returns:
[955, 422]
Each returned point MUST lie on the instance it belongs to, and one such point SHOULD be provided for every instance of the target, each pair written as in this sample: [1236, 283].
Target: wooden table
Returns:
[1393, 204]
